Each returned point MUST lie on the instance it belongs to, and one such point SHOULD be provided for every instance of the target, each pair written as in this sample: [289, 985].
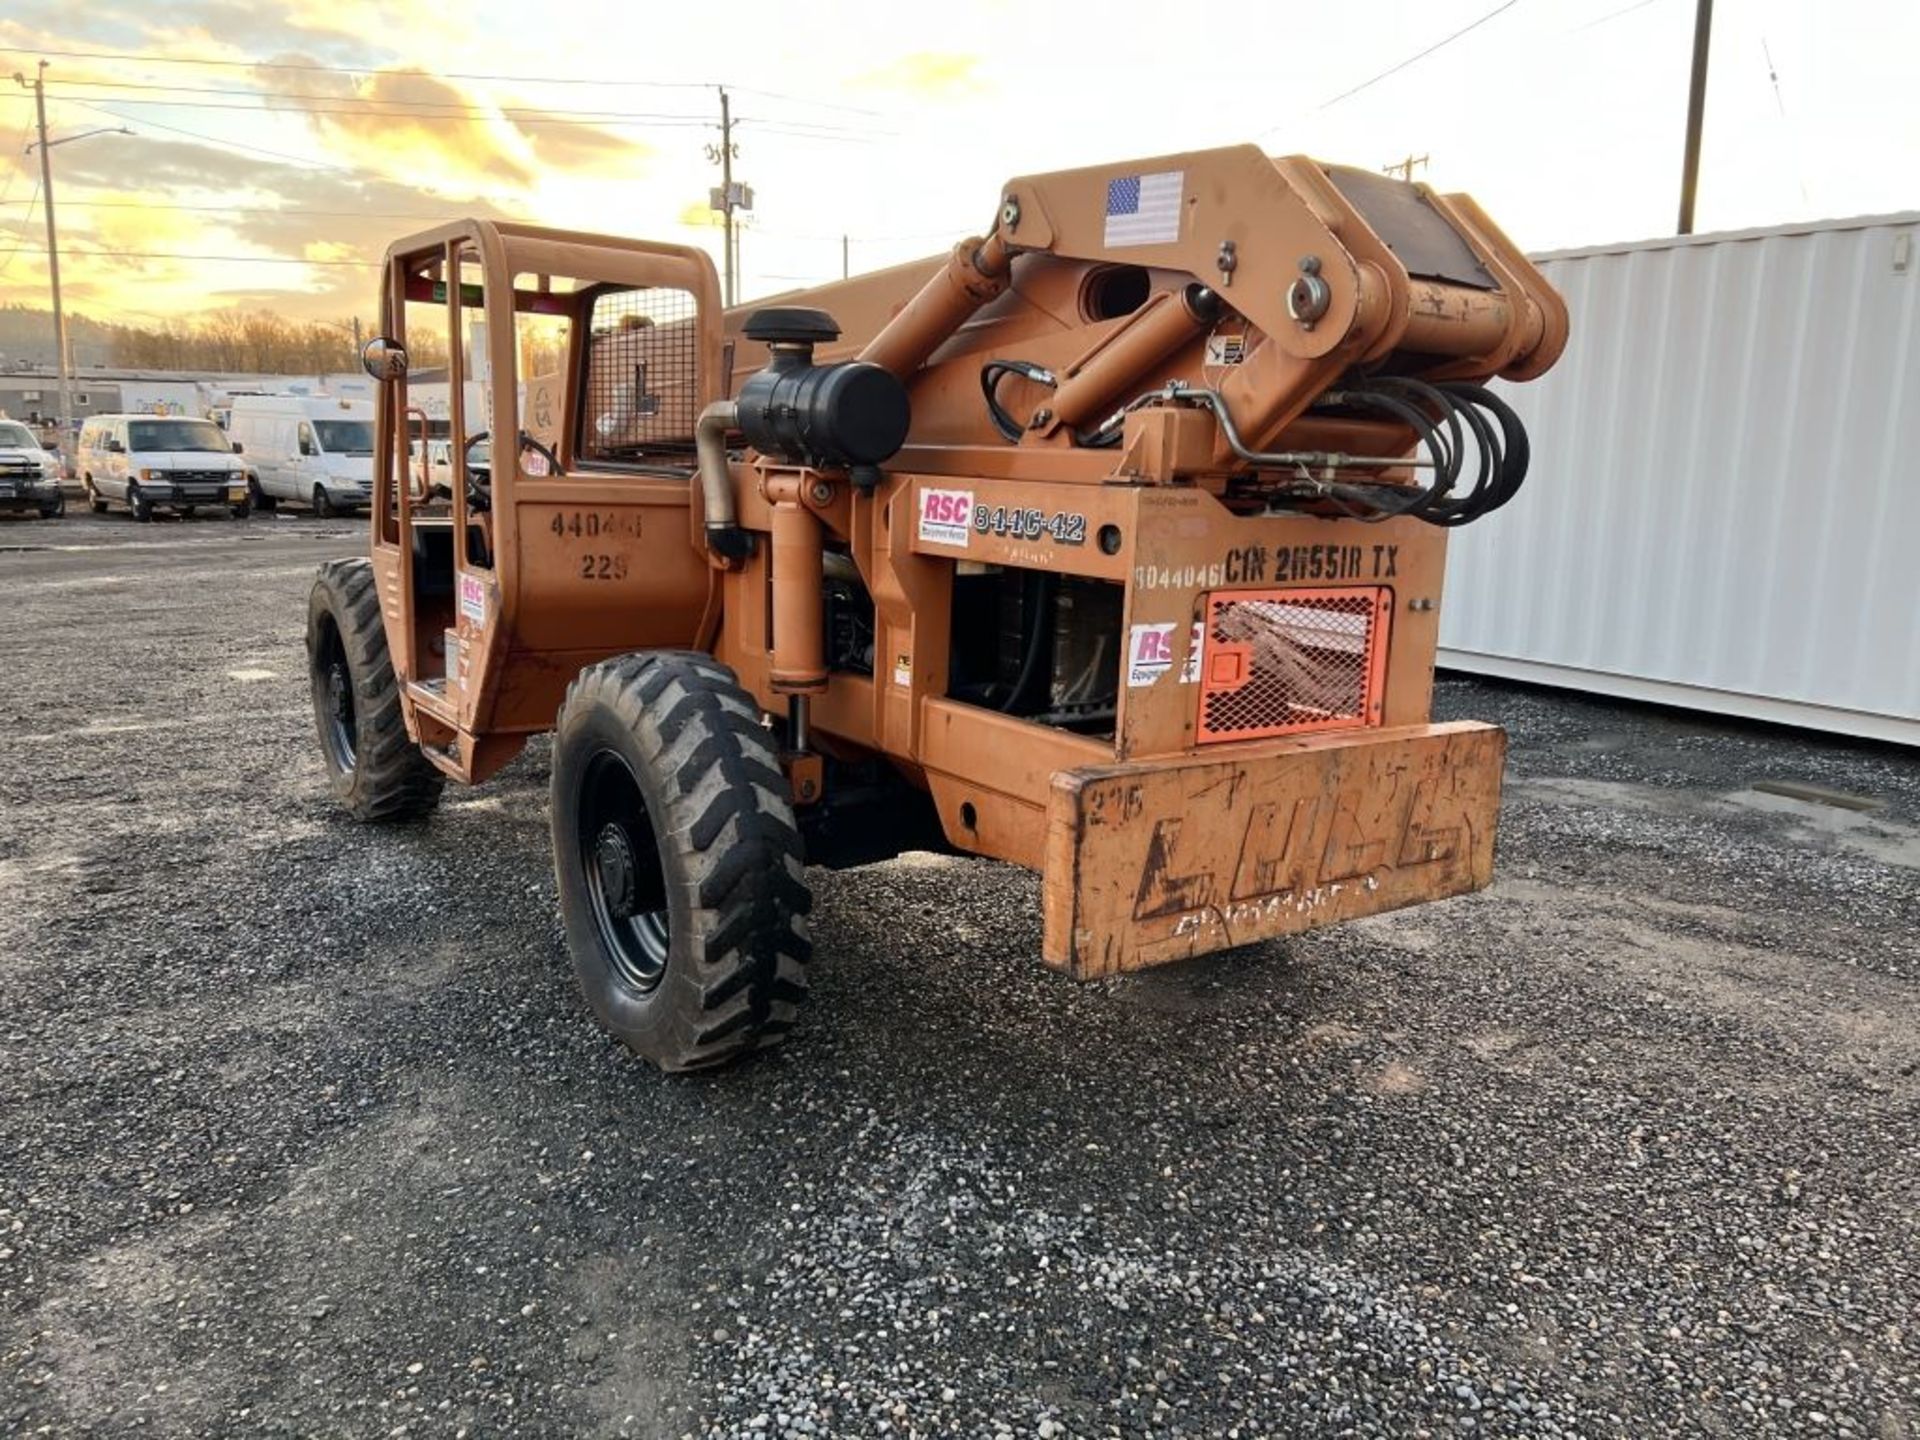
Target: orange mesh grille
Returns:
[1277, 661]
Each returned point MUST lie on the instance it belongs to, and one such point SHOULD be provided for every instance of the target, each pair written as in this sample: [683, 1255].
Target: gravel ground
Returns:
[303, 1128]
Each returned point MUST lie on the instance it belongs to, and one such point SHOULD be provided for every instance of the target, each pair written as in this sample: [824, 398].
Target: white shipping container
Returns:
[1723, 510]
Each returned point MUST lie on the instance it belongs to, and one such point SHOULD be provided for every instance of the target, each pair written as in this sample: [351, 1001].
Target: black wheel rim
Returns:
[334, 682]
[626, 884]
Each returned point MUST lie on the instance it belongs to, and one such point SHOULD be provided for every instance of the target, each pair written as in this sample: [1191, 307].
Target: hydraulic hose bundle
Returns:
[1441, 416]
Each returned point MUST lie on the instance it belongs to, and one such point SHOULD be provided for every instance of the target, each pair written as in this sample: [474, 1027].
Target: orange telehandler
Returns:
[1109, 544]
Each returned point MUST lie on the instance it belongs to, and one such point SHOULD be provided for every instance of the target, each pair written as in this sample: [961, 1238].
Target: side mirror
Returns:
[384, 359]
[238, 448]
[115, 447]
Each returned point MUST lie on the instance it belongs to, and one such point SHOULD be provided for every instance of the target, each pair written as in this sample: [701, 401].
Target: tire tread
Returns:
[393, 781]
[734, 837]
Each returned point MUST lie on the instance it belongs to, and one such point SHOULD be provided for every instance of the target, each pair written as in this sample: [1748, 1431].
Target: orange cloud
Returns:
[410, 122]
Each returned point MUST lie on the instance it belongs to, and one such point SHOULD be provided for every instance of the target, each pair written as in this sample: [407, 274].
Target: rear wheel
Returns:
[94, 499]
[374, 768]
[678, 860]
[322, 505]
[141, 507]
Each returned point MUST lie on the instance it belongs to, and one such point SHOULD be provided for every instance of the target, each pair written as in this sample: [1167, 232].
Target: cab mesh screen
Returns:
[642, 391]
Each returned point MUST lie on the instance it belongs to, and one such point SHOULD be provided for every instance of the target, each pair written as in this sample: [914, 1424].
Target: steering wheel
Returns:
[480, 474]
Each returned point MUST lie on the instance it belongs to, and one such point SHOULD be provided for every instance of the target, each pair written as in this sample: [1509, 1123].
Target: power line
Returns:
[264, 92]
[523, 117]
[247, 259]
[212, 139]
[435, 215]
[313, 67]
[1773, 75]
[19, 146]
[343, 69]
[489, 109]
[1416, 59]
[449, 112]
[1612, 15]
[811, 129]
[797, 100]
[520, 119]
[828, 138]
[26, 224]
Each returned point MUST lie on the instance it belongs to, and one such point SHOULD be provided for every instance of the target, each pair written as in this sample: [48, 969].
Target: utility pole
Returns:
[726, 183]
[45, 147]
[845, 269]
[1404, 168]
[728, 194]
[1696, 112]
[39, 88]
[728, 197]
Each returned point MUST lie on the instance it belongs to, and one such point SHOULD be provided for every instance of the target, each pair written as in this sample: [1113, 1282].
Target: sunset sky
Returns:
[891, 123]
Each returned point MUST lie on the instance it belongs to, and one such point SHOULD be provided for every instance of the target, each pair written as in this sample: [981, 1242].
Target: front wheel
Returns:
[323, 506]
[374, 768]
[259, 499]
[678, 860]
[54, 508]
[141, 507]
[242, 510]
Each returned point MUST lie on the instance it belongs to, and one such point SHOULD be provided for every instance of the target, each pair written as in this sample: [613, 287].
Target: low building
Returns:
[32, 394]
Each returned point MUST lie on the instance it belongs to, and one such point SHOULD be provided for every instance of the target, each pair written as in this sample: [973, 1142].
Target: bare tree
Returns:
[256, 342]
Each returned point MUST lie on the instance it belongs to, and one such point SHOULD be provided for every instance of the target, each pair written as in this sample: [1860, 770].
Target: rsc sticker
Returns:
[473, 599]
[1149, 653]
[944, 515]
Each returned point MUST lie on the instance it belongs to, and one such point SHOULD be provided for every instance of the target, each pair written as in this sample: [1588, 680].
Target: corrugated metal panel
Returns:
[1724, 504]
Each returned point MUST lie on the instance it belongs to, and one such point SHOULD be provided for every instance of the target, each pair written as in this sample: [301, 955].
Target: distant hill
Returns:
[27, 334]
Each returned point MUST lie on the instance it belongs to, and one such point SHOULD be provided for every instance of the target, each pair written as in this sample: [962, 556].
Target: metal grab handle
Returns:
[424, 490]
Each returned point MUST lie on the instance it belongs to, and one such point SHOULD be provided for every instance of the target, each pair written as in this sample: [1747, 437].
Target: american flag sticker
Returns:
[1144, 209]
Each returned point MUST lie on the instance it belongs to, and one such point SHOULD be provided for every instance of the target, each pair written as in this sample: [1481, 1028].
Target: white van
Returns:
[151, 461]
[316, 449]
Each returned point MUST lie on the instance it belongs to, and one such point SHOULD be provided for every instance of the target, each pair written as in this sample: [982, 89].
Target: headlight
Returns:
[149, 474]
[49, 466]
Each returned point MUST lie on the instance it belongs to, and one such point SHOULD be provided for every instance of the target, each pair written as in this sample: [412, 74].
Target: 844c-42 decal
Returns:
[1063, 527]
